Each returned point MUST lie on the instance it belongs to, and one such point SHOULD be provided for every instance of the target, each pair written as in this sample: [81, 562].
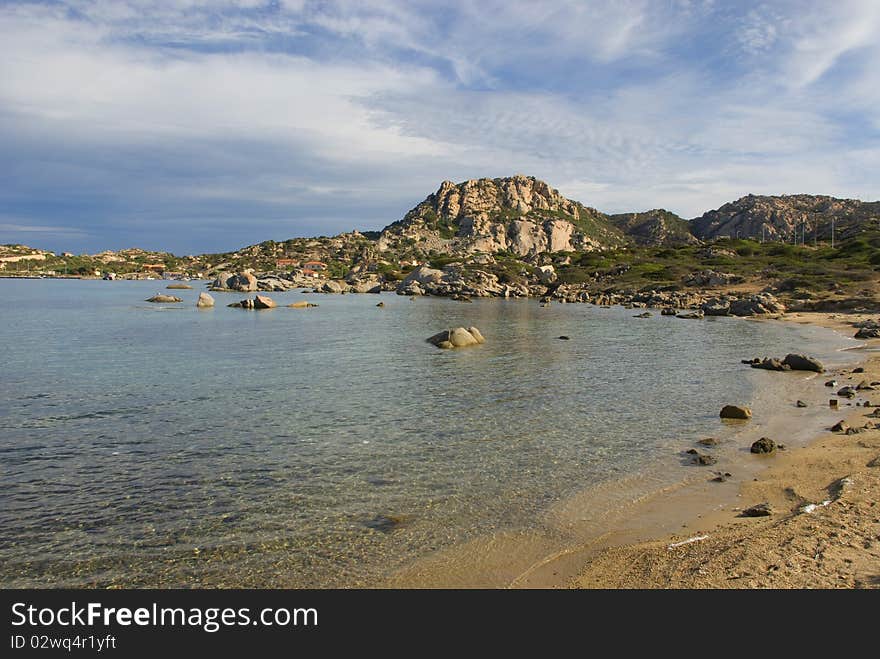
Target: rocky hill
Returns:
[518, 214]
[655, 227]
[779, 217]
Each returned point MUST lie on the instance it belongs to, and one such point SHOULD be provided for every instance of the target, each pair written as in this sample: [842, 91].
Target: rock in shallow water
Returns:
[458, 337]
[735, 412]
[164, 299]
[205, 301]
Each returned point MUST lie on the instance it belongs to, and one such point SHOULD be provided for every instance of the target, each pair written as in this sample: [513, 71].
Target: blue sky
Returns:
[206, 125]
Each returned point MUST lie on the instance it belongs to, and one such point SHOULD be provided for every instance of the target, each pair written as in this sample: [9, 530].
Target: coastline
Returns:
[631, 548]
[834, 545]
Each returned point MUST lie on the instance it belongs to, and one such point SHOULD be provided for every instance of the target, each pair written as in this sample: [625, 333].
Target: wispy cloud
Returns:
[197, 125]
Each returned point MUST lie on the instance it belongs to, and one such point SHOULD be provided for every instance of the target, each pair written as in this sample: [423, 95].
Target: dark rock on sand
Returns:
[760, 510]
[840, 426]
[868, 333]
[831, 383]
[708, 441]
[801, 403]
[564, 338]
[735, 412]
[763, 445]
[847, 392]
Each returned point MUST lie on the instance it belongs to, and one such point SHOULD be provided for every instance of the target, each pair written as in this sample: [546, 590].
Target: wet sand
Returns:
[636, 544]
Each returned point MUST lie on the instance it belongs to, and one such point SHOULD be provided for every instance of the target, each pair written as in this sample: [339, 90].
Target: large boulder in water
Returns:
[259, 302]
[458, 337]
[735, 412]
[264, 302]
[803, 363]
[205, 301]
[164, 299]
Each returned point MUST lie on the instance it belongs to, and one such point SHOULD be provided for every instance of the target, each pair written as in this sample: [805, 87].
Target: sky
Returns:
[205, 125]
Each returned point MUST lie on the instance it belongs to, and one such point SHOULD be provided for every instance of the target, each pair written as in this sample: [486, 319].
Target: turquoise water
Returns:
[161, 445]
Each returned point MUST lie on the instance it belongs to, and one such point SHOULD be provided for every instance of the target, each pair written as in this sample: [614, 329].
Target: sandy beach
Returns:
[824, 531]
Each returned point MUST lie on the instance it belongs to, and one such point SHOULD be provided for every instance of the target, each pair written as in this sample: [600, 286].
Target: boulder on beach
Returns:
[164, 299]
[803, 363]
[204, 301]
[458, 337]
[763, 445]
[735, 412]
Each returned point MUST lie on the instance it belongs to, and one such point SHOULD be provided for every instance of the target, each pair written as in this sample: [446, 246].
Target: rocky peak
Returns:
[521, 214]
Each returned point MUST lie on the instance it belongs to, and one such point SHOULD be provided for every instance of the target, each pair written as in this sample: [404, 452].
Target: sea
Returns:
[162, 445]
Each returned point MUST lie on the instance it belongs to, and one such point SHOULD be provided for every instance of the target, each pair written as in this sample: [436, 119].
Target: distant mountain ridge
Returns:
[779, 217]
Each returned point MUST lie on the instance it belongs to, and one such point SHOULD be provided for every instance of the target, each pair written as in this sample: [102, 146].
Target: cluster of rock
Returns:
[868, 329]
[711, 278]
[457, 337]
[454, 279]
[258, 302]
[748, 305]
[791, 362]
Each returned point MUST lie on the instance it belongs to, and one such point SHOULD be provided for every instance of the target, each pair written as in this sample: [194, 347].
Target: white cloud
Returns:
[163, 111]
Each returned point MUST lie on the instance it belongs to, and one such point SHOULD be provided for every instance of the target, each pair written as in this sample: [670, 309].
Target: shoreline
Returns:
[834, 545]
[601, 553]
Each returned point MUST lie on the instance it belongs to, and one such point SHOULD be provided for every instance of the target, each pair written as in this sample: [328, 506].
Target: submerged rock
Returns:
[302, 304]
[182, 287]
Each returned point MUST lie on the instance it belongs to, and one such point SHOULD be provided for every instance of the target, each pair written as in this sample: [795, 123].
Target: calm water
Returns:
[163, 445]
